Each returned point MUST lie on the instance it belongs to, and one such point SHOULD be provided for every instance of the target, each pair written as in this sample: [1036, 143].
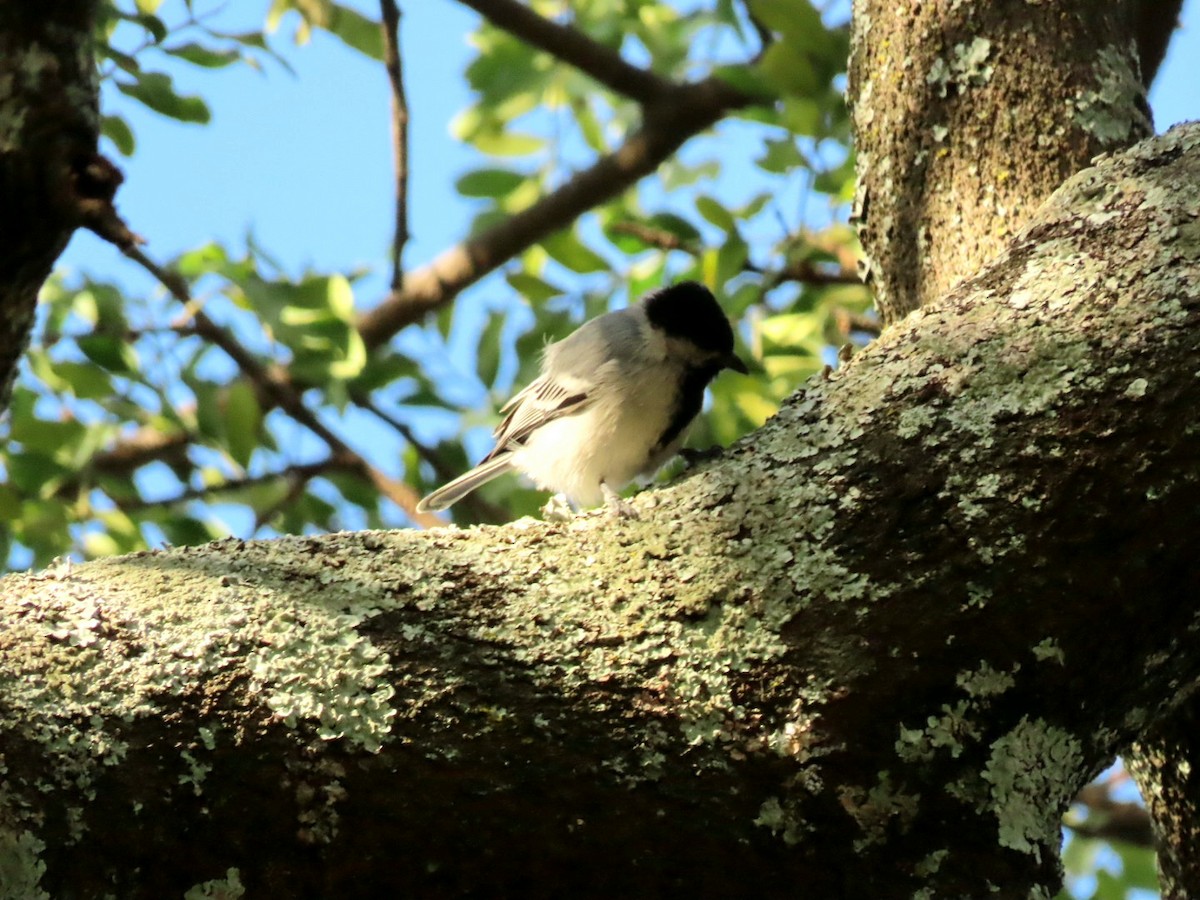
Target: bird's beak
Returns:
[733, 361]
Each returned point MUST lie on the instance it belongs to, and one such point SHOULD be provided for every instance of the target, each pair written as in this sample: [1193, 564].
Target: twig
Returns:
[574, 47]
[94, 185]
[801, 270]
[307, 471]
[390, 15]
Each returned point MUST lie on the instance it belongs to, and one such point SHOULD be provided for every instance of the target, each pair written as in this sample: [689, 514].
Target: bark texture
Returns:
[1166, 765]
[966, 116]
[855, 657]
[48, 130]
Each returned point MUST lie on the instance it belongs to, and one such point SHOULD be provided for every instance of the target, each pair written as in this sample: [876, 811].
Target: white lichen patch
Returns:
[967, 67]
[1032, 773]
[146, 641]
[1110, 110]
[878, 810]
[1137, 388]
[21, 866]
[338, 684]
[1048, 649]
[959, 724]
[986, 681]
[970, 61]
[782, 821]
[228, 888]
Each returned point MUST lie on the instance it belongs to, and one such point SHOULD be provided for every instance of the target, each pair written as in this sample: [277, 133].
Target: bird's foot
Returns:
[617, 507]
[692, 457]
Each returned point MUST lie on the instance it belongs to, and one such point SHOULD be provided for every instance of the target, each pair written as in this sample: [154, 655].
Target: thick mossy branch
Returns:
[857, 653]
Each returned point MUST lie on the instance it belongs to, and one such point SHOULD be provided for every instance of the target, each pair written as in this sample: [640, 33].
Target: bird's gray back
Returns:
[612, 337]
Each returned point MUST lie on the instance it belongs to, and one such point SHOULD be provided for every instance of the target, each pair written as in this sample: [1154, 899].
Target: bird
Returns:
[612, 401]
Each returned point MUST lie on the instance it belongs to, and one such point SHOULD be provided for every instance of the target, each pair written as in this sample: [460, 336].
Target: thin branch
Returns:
[305, 471]
[392, 61]
[685, 111]
[804, 271]
[574, 47]
[142, 446]
[1111, 820]
[849, 322]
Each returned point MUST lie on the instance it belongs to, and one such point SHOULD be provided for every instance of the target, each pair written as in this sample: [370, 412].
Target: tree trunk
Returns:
[48, 129]
[856, 657]
[967, 116]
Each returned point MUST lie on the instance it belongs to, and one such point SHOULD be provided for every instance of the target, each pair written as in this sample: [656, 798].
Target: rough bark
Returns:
[966, 117]
[856, 657]
[1166, 765]
[48, 130]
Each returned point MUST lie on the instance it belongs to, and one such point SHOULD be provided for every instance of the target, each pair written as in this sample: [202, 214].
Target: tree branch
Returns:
[856, 653]
[1163, 762]
[390, 23]
[803, 271]
[941, 187]
[1156, 21]
[684, 112]
[276, 390]
[1111, 820]
[574, 47]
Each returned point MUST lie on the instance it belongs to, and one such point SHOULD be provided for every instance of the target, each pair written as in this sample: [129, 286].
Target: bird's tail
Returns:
[449, 494]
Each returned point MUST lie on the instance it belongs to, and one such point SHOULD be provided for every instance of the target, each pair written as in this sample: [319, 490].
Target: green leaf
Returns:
[532, 288]
[781, 156]
[676, 225]
[731, 258]
[187, 531]
[487, 351]
[797, 20]
[355, 30]
[205, 57]
[84, 381]
[566, 249]
[118, 131]
[489, 182]
[243, 422]
[156, 91]
[715, 213]
[507, 143]
[114, 354]
[788, 69]
[35, 474]
[748, 80]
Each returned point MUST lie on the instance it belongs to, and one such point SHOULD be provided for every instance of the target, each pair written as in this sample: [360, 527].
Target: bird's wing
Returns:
[541, 402]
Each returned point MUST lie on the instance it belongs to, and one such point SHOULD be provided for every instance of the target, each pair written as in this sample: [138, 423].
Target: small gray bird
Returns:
[612, 401]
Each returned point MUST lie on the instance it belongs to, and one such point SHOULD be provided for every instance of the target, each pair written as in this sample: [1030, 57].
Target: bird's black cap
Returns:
[689, 310]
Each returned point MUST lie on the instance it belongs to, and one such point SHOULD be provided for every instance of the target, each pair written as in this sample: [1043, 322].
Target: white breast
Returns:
[607, 442]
